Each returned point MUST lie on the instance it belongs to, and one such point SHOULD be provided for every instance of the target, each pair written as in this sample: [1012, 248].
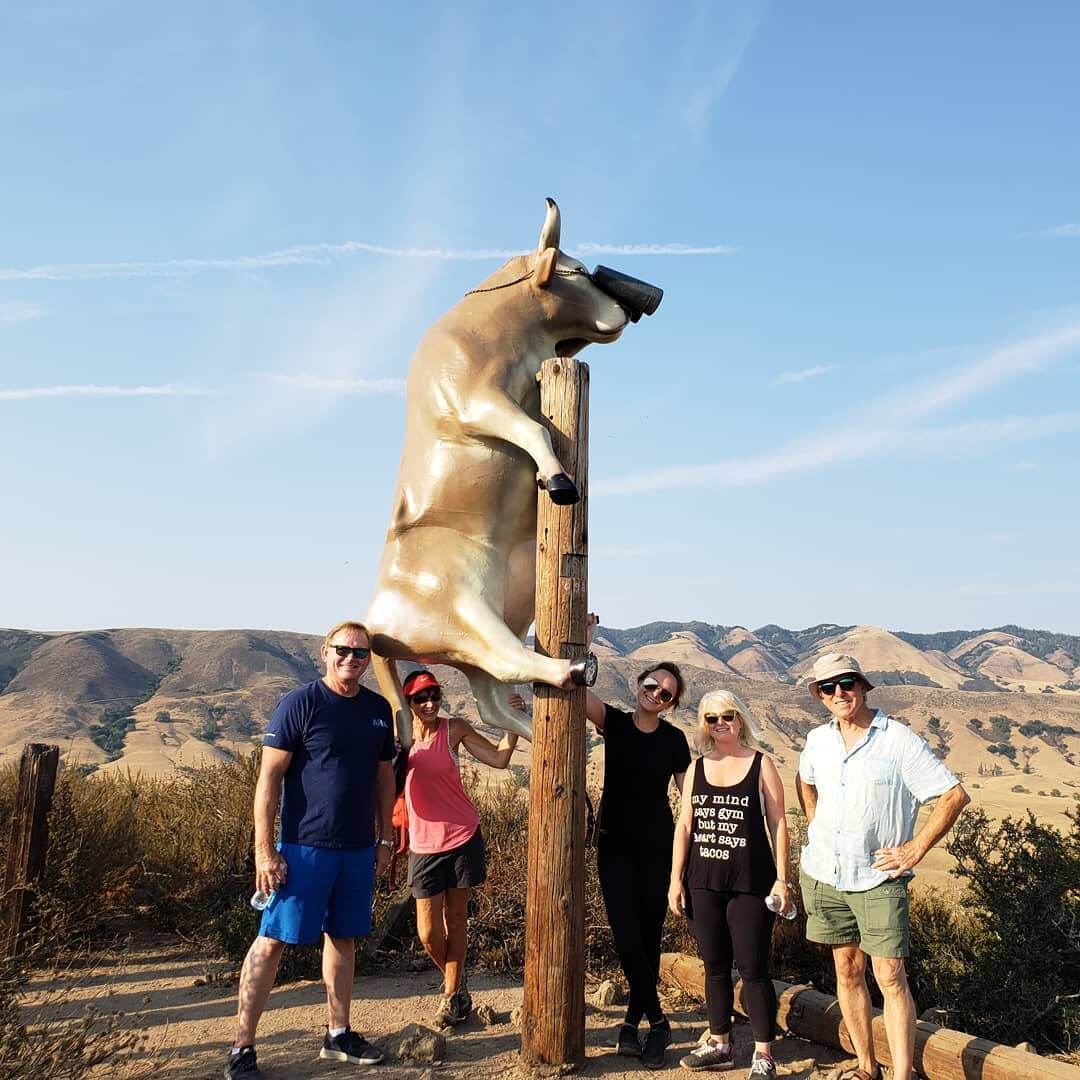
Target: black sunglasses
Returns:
[845, 682]
[432, 694]
[653, 686]
[361, 652]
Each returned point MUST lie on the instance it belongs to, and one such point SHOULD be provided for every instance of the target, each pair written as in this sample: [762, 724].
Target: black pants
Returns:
[634, 883]
[731, 925]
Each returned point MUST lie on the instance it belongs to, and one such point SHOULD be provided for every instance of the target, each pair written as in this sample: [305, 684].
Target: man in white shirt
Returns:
[861, 780]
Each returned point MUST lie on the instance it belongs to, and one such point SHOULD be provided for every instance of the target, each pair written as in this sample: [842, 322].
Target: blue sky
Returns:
[225, 228]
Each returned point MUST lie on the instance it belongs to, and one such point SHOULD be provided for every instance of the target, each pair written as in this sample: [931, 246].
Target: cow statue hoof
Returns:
[563, 491]
[583, 670]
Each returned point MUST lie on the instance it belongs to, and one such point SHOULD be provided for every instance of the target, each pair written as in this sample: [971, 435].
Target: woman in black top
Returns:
[642, 754]
[732, 804]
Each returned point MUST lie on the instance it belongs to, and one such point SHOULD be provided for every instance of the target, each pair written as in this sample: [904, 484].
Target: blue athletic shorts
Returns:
[325, 890]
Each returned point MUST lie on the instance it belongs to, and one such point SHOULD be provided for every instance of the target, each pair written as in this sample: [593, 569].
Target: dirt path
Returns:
[187, 1005]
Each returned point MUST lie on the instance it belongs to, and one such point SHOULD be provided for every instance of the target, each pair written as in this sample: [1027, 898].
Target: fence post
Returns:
[553, 1008]
[28, 839]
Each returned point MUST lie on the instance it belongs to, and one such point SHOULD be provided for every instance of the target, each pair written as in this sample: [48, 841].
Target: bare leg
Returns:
[456, 916]
[256, 981]
[431, 929]
[854, 997]
[338, 970]
[891, 976]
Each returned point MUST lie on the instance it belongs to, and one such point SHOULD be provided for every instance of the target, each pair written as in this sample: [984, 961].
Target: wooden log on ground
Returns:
[553, 1007]
[940, 1053]
[28, 839]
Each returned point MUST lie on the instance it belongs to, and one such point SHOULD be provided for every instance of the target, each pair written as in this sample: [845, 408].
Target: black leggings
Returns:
[634, 884]
[739, 925]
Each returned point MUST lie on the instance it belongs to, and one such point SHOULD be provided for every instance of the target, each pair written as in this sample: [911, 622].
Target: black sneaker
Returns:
[461, 1003]
[763, 1066]
[242, 1065]
[350, 1046]
[627, 1044]
[656, 1044]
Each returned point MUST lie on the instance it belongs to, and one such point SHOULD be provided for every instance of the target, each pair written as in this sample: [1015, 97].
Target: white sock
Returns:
[335, 1032]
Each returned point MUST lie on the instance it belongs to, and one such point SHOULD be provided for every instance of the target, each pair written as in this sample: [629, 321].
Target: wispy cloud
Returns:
[324, 384]
[652, 249]
[801, 376]
[321, 255]
[19, 311]
[886, 422]
[29, 393]
[1062, 230]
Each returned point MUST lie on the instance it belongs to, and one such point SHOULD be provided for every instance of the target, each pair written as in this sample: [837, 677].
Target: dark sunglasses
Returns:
[845, 682]
[653, 686]
[712, 718]
[433, 694]
[361, 652]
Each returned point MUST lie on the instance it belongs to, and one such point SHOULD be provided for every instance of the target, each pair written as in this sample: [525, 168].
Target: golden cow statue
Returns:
[457, 578]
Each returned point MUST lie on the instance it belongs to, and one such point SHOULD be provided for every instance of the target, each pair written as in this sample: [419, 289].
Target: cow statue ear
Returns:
[544, 270]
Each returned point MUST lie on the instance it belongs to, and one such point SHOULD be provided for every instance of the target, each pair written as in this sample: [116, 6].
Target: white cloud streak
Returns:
[787, 377]
[19, 311]
[30, 393]
[321, 255]
[1062, 230]
[884, 423]
[325, 384]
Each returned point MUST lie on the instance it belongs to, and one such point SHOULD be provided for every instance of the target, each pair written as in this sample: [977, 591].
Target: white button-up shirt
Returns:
[867, 798]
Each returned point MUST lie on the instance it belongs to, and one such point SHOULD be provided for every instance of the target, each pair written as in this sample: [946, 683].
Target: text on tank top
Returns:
[729, 844]
[441, 816]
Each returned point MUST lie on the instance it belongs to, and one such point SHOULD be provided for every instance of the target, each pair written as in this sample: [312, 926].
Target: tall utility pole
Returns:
[553, 1009]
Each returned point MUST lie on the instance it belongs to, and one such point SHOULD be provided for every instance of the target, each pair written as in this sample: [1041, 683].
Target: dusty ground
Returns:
[187, 1005]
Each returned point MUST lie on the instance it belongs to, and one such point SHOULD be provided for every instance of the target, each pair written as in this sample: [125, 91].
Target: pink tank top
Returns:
[441, 817]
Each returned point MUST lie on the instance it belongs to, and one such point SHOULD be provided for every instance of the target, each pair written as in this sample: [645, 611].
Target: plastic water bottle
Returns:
[261, 900]
[773, 903]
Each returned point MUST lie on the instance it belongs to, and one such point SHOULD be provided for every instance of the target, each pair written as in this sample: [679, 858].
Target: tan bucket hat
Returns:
[833, 664]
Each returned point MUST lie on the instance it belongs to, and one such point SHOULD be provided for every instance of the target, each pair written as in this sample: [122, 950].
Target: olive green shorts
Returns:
[876, 920]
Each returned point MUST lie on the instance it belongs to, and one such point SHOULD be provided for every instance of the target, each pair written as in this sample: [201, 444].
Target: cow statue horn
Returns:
[549, 234]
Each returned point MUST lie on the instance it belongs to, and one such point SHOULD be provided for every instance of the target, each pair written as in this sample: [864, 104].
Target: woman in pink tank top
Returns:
[446, 848]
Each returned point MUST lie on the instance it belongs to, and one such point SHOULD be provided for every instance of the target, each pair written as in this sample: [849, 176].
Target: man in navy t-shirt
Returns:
[327, 759]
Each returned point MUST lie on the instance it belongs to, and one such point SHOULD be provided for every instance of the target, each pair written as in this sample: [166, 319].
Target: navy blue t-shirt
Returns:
[328, 796]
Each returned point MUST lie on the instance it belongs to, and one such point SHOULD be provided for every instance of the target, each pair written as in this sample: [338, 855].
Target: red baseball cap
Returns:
[419, 680]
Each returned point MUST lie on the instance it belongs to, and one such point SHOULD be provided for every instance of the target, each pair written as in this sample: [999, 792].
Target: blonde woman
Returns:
[732, 806]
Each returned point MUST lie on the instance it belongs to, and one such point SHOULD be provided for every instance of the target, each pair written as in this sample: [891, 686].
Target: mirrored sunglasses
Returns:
[657, 690]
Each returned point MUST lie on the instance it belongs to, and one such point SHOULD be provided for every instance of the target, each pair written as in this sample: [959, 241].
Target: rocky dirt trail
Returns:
[187, 1003]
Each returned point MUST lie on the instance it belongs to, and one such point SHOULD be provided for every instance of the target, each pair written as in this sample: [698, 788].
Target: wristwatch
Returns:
[781, 881]
[387, 843]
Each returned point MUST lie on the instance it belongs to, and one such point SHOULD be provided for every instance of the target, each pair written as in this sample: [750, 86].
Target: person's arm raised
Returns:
[481, 748]
[594, 707]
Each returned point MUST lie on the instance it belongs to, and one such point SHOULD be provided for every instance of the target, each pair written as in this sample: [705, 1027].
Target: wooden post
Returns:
[28, 838]
[553, 1008]
[940, 1053]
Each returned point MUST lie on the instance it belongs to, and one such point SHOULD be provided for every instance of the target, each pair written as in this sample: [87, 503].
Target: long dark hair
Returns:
[671, 669]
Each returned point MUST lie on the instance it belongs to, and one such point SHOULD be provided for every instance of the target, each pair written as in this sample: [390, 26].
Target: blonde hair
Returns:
[716, 702]
[348, 624]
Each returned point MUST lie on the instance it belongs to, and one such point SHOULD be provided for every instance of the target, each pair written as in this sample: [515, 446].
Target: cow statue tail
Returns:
[386, 675]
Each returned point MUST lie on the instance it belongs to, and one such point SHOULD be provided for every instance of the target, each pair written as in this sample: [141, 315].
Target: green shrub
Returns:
[1005, 962]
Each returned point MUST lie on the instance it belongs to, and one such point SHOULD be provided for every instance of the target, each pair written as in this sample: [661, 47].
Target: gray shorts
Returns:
[462, 867]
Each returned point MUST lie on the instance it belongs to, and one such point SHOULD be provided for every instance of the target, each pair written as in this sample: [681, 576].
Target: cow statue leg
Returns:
[491, 702]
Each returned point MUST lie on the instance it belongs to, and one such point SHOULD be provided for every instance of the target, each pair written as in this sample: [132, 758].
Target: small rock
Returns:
[515, 1017]
[418, 1044]
[1029, 1047]
[200, 981]
[486, 1015]
[609, 993]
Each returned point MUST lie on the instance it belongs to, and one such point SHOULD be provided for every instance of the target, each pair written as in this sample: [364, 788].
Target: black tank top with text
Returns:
[729, 843]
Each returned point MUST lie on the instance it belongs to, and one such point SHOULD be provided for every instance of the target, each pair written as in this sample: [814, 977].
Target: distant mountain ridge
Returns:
[157, 699]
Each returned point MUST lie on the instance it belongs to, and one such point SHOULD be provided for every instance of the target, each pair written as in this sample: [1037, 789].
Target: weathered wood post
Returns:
[28, 838]
[553, 1009]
